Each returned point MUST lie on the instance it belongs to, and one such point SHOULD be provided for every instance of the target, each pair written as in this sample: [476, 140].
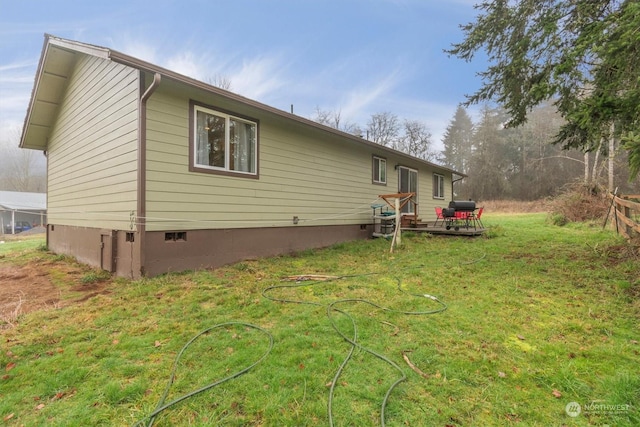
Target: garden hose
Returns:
[162, 406]
[330, 308]
[353, 341]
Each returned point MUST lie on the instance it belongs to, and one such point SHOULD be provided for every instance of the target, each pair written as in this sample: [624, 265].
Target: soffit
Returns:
[56, 64]
[55, 69]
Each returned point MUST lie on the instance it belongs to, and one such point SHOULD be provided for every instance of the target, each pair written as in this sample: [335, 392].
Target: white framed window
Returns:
[379, 170]
[438, 186]
[223, 143]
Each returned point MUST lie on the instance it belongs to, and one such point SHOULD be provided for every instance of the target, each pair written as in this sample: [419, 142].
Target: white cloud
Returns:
[135, 47]
[255, 78]
[370, 94]
[14, 104]
[16, 81]
[259, 78]
[18, 65]
[188, 64]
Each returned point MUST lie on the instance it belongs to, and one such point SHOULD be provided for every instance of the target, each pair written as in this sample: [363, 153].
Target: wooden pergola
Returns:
[397, 201]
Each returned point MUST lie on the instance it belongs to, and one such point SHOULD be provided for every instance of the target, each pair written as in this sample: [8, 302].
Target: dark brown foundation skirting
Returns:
[118, 251]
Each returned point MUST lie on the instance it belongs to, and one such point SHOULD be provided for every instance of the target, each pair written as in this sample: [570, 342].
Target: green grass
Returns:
[538, 316]
[17, 243]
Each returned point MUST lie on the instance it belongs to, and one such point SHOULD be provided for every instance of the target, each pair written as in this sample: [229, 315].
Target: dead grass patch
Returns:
[515, 206]
[33, 286]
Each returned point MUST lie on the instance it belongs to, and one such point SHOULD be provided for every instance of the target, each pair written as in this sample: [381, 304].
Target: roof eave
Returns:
[34, 135]
[152, 68]
[23, 137]
[40, 142]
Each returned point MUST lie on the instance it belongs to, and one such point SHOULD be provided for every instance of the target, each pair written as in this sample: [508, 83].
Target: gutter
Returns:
[141, 217]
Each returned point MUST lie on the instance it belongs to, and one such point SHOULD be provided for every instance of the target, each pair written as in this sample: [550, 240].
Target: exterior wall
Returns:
[198, 252]
[321, 178]
[92, 149]
[427, 202]
[99, 248]
[314, 186]
[311, 174]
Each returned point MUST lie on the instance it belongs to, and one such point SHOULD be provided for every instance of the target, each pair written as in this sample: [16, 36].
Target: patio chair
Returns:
[475, 217]
[438, 216]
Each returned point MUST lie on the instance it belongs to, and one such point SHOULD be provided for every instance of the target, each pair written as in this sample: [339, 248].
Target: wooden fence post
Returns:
[627, 213]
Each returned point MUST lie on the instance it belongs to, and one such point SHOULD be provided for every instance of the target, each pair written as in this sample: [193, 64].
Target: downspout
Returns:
[453, 181]
[141, 217]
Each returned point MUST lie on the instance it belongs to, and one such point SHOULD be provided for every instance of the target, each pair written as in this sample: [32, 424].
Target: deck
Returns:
[441, 229]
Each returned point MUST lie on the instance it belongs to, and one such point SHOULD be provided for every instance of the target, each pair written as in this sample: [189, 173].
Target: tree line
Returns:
[385, 128]
[582, 55]
[501, 162]
[21, 170]
[526, 162]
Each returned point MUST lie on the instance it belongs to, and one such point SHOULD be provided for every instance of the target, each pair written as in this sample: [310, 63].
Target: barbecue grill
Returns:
[459, 212]
[462, 205]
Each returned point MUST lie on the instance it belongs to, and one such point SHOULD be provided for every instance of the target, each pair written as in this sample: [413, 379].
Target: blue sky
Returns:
[358, 57]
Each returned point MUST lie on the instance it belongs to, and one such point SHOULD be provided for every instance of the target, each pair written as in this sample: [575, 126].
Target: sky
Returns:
[352, 57]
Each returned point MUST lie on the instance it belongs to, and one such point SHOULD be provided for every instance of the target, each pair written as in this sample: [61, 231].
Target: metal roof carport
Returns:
[21, 206]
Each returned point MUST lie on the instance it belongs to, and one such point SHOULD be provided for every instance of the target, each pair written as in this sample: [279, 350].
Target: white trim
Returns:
[440, 179]
[379, 169]
[227, 141]
[73, 45]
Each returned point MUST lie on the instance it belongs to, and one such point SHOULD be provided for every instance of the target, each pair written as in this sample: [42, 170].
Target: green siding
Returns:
[320, 177]
[92, 148]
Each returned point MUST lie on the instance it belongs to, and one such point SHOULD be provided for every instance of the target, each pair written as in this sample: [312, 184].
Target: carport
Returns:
[21, 206]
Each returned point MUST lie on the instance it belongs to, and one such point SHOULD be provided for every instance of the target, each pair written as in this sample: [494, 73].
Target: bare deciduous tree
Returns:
[327, 117]
[334, 119]
[218, 80]
[383, 129]
[416, 140]
[21, 169]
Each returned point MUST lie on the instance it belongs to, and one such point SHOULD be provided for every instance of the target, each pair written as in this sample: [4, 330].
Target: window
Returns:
[223, 143]
[379, 170]
[438, 186]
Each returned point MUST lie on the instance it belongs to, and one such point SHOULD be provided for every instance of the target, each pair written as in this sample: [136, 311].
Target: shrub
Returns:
[579, 203]
[558, 219]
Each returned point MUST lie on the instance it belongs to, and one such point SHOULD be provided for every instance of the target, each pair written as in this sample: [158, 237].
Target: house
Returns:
[18, 208]
[150, 171]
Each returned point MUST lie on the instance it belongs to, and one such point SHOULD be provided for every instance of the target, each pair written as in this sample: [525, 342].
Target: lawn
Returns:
[533, 325]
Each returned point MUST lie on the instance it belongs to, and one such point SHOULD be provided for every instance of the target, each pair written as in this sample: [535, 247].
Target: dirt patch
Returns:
[31, 287]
